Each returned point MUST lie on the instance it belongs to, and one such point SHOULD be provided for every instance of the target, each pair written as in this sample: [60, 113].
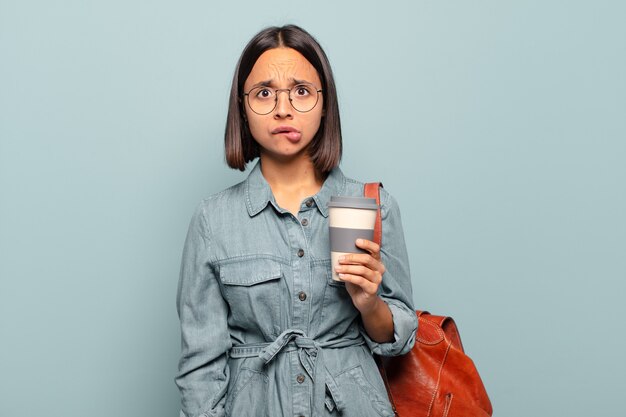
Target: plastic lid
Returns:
[353, 202]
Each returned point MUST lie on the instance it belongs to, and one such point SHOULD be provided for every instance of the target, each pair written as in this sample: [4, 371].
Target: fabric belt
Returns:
[310, 354]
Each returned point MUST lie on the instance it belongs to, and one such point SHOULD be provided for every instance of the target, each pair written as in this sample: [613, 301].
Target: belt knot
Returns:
[310, 354]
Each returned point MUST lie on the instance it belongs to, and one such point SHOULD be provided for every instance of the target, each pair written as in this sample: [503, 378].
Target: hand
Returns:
[362, 273]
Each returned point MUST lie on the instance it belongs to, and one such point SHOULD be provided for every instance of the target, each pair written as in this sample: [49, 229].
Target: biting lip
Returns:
[285, 129]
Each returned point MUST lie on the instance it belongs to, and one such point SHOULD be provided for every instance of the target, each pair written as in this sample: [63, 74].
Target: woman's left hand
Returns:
[362, 273]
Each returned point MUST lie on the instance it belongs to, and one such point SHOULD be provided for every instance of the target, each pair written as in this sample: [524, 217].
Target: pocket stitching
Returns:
[252, 374]
[263, 278]
[358, 375]
[245, 278]
[265, 270]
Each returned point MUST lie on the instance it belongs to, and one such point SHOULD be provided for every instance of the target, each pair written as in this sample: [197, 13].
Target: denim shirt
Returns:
[265, 329]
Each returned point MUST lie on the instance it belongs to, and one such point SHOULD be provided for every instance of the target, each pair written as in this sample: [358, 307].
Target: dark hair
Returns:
[325, 148]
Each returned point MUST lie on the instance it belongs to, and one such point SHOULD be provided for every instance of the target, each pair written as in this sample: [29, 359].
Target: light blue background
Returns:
[499, 126]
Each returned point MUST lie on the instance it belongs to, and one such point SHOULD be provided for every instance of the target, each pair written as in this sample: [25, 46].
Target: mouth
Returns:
[290, 133]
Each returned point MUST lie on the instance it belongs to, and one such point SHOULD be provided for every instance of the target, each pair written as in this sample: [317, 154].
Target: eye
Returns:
[302, 90]
[263, 93]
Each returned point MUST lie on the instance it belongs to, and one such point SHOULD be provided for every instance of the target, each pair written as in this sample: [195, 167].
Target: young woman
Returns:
[266, 331]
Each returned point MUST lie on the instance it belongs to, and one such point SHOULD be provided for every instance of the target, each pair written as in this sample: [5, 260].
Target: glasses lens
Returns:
[303, 97]
[262, 100]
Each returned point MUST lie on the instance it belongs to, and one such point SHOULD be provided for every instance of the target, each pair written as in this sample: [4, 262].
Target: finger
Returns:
[357, 258]
[367, 286]
[362, 259]
[360, 270]
[368, 245]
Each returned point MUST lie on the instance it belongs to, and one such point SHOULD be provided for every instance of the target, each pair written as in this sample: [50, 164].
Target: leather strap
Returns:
[372, 190]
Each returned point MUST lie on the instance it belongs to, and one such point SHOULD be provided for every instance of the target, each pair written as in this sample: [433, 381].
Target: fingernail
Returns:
[359, 241]
[342, 258]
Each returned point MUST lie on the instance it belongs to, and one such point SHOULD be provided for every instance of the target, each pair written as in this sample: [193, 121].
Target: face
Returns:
[283, 133]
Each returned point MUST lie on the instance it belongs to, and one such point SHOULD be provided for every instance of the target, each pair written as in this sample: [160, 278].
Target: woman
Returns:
[265, 329]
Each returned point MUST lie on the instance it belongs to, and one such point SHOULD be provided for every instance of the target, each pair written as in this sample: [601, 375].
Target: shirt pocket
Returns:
[247, 395]
[362, 398]
[252, 289]
[338, 311]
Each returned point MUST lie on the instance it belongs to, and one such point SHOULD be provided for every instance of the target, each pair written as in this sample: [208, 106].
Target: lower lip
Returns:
[291, 136]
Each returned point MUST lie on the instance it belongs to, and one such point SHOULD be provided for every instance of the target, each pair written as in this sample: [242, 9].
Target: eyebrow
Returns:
[268, 83]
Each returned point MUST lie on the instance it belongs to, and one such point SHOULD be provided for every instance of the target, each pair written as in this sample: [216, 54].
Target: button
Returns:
[300, 253]
[305, 222]
[300, 379]
[309, 202]
[302, 295]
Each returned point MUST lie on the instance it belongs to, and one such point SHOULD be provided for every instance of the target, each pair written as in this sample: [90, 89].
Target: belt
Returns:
[310, 354]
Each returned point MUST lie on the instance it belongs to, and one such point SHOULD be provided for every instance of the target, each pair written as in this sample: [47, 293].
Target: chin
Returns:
[287, 154]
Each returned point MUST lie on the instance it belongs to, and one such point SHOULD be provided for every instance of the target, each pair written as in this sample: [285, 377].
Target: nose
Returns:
[283, 105]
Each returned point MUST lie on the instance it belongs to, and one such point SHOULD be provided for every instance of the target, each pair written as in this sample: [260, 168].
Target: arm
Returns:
[378, 322]
[380, 286]
[202, 370]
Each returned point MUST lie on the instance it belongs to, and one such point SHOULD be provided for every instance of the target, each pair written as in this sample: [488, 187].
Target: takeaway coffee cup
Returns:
[350, 218]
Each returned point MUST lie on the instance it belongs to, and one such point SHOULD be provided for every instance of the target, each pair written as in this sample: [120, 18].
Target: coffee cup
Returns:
[349, 218]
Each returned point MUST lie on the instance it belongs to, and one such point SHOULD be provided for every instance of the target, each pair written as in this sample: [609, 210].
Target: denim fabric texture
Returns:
[265, 330]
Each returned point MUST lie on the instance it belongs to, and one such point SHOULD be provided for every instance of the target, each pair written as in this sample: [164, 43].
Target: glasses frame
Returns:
[277, 91]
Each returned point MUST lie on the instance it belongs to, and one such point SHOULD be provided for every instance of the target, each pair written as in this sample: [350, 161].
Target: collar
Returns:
[259, 194]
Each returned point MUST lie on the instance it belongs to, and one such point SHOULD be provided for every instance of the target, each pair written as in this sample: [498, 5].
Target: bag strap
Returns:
[372, 190]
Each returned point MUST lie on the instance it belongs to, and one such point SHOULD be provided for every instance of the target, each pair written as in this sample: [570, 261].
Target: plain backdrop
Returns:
[499, 126]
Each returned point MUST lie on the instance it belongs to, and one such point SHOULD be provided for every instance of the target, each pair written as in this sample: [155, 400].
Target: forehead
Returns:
[282, 66]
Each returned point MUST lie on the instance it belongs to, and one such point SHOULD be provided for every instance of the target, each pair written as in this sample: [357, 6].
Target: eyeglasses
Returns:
[263, 100]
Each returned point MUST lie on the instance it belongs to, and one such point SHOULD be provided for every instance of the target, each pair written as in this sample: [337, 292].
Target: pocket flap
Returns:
[249, 272]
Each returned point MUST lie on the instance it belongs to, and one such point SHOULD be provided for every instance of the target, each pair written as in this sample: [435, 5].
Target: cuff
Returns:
[404, 328]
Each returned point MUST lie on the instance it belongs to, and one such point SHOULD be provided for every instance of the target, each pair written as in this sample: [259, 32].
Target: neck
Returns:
[291, 181]
[291, 176]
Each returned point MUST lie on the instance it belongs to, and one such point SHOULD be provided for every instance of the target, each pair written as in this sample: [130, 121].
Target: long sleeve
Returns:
[395, 289]
[203, 373]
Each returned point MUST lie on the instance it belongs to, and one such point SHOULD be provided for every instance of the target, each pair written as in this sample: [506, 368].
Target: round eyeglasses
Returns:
[263, 100]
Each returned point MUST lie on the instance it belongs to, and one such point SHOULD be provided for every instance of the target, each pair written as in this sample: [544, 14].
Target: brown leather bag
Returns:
[436, 378]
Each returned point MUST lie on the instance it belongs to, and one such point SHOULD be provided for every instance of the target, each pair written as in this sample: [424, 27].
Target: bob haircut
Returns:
[325, 148]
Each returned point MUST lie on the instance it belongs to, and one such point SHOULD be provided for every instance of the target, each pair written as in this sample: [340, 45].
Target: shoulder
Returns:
[221, 204]
[226, 196]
